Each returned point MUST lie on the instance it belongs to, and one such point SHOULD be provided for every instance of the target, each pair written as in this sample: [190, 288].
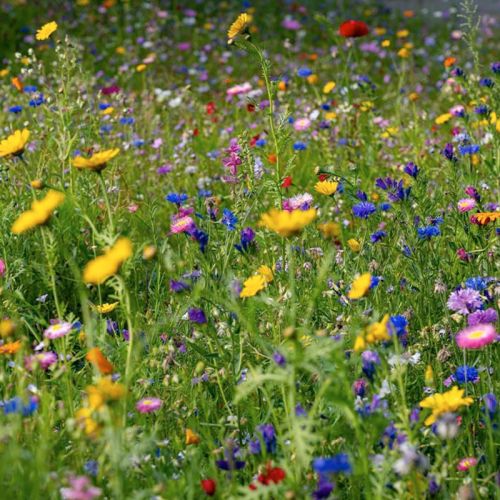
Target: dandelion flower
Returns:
[46, 30]
[360, 286]
[446, 402]
[287, 223]
[97, 271]
[476, 337]
[326, 187]
[14, 144]
[239, 27]
[97, 162]
[253, 285]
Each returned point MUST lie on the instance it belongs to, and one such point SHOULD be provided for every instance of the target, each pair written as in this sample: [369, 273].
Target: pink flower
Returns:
[475, 337]
[44, 360]
[132, 208]
[81, 489]
[57, 330]
[148, 405]
[466, 204]
[182, 225]
[302, 124]
[466, 463]
[244, 88]
[2, 268]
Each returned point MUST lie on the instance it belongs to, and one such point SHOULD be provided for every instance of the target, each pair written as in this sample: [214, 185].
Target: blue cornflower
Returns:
[204, 193]
[333, 465]
[428, 232]
[177, 198]
[304, 72]
[361, 195]
[15, 109]
[495, 67]
[395, 189]
[138, 143]
[29, 89]
[106, 129]
[481, 110]
[104, 105]
[91, 468]
[377, 236]
[17, 405]
[260, 142]
[299, 146]
[486, 82]
[464, 374]
[468, 149]
[247, 237]
[364, 209]
[448, 153]
[229, 219]
[385, 206]
[37, 101]
[127, 120]
[476, 283]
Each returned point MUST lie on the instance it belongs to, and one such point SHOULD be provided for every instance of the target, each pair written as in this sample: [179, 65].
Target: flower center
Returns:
[475, 335]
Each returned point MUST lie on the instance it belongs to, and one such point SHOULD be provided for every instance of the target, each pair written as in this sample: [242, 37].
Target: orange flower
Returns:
[449, 61]
[484, 218]
[10, 347]
[192, 437]
[97, 358]
[17, 83]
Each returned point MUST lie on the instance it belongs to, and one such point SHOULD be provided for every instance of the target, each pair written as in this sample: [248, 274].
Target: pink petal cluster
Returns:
[476, 337]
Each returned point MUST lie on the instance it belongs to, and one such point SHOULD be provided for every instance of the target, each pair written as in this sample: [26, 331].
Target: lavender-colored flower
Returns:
[377, 236]
[80, 489]
[411, 169]
[481, 317]
[464, 301]
[247, 237]
[197, 315]
[231, 459]
[323, 489]
[179, 286]
[279, 359]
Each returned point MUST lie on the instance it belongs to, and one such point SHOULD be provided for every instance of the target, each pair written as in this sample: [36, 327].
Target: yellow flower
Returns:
[330, 229]
[97, 271]
[149, 252]
[404, 52]
[15, 143]
[287, 223]
[377, 331]
[140, 68]
[354, 245]
[386, 43]
[7, 327]
[402, 33]
[326, 187]
[429, 375]
[36, 184]
[105, 390]
[106, 308]
[380, 31]
[40, 212]
[46, 30]
[329, 86]
[97, 161]
[446, 402]
[239, 27]
[443, 118]
[360, 286]
[84, 418]
[331, 115]
[252, 286]
[312, 79]
[4, 72]
[192, 437]
[266, 272]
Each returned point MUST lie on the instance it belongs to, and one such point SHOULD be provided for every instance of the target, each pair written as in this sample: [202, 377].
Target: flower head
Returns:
[466, 463]
[353, 29]
[39, 214]
[97, 271]
[476, 337]
[326, 187]
[239, 27]
[57, 330]
[148, 405]
[360, 286]
[287, 223]
[464, 301]
[97, 161]
[97, 358]
[252, 286]
[446, 402]
[46, 30]
[14, 144]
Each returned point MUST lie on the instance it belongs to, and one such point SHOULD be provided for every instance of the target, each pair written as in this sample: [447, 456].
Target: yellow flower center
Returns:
[475, 335]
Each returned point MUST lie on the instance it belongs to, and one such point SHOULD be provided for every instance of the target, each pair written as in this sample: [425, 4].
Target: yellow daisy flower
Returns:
[46, 30]
[354, 245]
[360, 286]
[446, 402]
[287, 223]
[97, 271]
[106, 308]
[40, 212]
[239, 27]
[266, 272]
[97, 161]
[252, 286]
[326, 187]
[14, 144]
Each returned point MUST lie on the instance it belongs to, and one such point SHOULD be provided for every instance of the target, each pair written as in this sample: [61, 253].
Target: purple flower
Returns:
[148, 405]
[197, 315]
[464, 301]
[323, 489]
[364, 209]
[411, 169]
[480, 317]
[179, 286]
[279, 359]
[333, 465]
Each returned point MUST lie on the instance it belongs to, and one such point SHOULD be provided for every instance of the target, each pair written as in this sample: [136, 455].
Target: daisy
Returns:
[57, 330]
[148, 405]
[239, 27]
[477, 336]
[46, 30]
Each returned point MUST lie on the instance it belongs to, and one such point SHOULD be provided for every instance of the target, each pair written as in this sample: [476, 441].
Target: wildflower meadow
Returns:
[249, 249]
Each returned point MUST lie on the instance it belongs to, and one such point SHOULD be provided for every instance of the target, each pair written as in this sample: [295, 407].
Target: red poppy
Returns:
[287, 182]
[353, 29]
[209, 486]
[210, 108]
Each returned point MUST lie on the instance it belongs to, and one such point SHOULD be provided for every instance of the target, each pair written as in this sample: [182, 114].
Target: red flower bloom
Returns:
[322, 177]
[209, 486]
[287, 182]
[250, 107]
[353, 29]
[210, 108]
[272, 475]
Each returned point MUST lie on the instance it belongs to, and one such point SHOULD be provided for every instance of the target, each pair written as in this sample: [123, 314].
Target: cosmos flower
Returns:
[360, 286]
[97, 271]
[148, 405]
[239, 27]
[14, 144]
[326, 187]
[446, 402]
[97, 162]
[287, 223]
[46, 30]
[40, 212]
[466, 204]
[57, 330]
[476, 337]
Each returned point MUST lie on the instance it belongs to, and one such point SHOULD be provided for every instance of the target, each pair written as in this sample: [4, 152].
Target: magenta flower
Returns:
[2, 268]
[477, 336]
[57, 330]
[466, 204]
[44, 360]
[148, 405]
[466, 463]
